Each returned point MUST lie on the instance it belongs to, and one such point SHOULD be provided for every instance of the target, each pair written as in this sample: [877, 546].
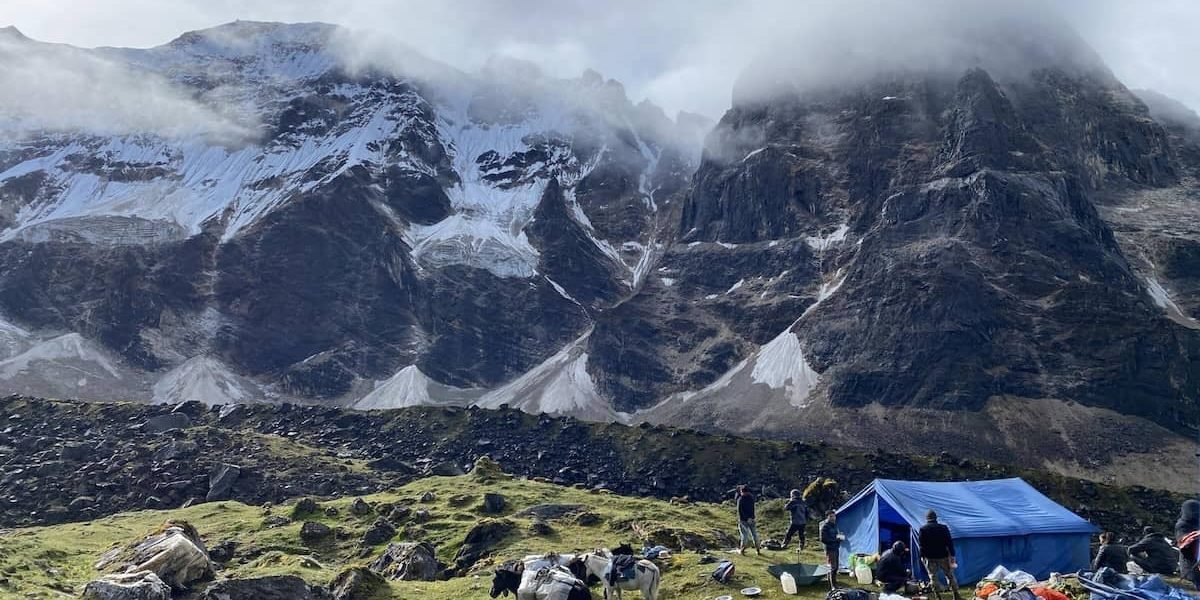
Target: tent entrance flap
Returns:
[892, 527]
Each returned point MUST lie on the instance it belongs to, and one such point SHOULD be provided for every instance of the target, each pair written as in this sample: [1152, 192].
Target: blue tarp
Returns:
[1000, 522]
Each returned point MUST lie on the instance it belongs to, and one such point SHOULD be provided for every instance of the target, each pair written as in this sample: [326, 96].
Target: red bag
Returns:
[1049, 594]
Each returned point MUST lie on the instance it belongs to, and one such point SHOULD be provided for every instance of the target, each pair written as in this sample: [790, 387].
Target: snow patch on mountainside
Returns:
[411, 387]
[63, 350]
[559, 386]
[827, 289]
[203, 379]
[71, 366]
[780, 364]
[821, 243]
[13, 339]
[1163, 300]
[198, 180]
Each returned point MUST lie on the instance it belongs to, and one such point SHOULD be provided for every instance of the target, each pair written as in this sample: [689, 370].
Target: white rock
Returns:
[138, 585]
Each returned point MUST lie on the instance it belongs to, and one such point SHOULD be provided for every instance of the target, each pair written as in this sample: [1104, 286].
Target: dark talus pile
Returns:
[66, 461]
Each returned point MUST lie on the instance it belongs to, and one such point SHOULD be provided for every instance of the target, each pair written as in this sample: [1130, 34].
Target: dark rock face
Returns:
[290, 306]
[357, 583]
[408, 562]
[221, 480]
[570, 255]
[379, 532]
[971, 262]
[312, 532]
[280, 587]
[481, 539]
[167, 422]
[494, 504]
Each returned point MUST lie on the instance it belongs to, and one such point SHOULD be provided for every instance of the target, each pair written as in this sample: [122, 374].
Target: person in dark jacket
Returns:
[1187, 537]
[937, 553]
[831, 538]
[892, 568]
[1154, 554]
[1111, 555]
[747, 528]
[798, 510]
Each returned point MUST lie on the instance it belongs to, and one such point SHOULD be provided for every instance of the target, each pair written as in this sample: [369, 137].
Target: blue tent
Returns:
[1001, 522]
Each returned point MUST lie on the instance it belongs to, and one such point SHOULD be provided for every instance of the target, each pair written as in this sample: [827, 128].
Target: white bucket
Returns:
[789, 584]
[864, 575]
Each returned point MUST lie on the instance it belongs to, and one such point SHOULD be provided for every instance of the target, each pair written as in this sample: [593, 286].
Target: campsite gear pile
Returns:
[1105, 584]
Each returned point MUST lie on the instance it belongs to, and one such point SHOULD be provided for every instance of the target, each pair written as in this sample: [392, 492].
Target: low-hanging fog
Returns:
[683, 54]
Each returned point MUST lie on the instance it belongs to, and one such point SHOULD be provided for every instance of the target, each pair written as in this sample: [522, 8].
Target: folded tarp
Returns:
[1125, 587]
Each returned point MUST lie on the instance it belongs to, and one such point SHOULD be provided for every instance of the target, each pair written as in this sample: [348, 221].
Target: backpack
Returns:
[724, 572]
[848, 594]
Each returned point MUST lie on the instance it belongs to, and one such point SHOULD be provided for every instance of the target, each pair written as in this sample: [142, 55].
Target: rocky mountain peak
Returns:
[246, 37]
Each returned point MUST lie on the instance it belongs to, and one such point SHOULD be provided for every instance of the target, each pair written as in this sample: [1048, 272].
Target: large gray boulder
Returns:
[175, 554]
[280, 587]
[139, 585]
[408, 562]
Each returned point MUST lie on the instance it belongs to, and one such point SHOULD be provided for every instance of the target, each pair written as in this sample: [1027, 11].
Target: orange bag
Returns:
[987, 590]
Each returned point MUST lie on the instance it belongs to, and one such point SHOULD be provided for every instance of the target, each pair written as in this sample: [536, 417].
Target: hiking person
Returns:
[1154, 554]
[892, 568]
[798, 511]
[937, 553]
[1187, 537]
[747, 529]
[832, 539]
[1111, 554]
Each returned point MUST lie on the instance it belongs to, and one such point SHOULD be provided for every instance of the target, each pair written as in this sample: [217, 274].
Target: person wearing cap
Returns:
[798, 511]
[937, 553]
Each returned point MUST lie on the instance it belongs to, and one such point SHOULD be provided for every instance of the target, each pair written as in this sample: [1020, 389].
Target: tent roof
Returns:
[996, 508]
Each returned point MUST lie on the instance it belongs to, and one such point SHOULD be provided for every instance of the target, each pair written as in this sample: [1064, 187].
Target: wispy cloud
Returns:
[683, 54]
[54, 87]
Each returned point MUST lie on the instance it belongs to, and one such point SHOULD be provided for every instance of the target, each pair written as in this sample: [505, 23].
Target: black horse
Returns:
[505, 581]
[579, 570]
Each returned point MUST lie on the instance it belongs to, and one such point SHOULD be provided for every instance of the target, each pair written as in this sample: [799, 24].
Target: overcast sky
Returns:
[682, 54]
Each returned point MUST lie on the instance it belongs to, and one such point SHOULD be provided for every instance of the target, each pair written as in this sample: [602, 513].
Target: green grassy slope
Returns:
[56, 561]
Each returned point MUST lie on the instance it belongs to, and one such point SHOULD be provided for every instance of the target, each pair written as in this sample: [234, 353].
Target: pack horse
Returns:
[643, 576]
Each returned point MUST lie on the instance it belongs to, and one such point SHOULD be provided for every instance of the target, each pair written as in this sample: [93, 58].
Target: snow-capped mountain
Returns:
[950, 259]
[324, 215]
